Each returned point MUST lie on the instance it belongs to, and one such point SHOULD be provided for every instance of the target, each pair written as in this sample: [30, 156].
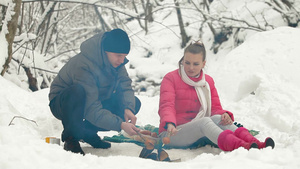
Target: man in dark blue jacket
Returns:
[92, 92]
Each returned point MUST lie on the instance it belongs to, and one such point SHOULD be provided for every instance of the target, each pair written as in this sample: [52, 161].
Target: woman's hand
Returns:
[171, 129]
[226, 119]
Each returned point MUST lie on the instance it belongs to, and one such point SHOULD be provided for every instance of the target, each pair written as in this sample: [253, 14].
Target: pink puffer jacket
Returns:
[179, 102]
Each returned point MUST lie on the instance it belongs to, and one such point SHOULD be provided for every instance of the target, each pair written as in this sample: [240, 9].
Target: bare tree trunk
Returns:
[184, 37]
[138, 18]
[205, 5]
[146, 16]
[52, 32]
[12, 26]
[104, 25]
[31, 80]
[2, 15]
[149, 12]
[288, 12]
[45, 27]
[21, 19]
[205, 19]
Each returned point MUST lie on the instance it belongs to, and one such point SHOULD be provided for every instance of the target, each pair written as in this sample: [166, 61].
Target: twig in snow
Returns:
[21, 118]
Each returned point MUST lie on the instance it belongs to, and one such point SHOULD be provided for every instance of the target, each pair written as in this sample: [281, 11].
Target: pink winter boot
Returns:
[244, 134]
[227, 141]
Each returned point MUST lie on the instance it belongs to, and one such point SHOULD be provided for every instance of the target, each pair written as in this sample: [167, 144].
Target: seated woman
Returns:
[189, 108]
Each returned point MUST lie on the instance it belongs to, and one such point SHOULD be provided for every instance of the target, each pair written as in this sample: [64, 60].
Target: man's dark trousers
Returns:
[69, 107]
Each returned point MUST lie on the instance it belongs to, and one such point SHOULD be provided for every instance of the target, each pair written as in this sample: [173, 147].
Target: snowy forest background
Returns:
[253, 56]
[42, 35]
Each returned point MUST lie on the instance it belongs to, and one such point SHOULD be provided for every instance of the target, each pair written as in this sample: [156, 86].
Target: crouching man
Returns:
[92, 92]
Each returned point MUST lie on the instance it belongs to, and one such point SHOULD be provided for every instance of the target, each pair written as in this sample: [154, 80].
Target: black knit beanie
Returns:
[116, 41]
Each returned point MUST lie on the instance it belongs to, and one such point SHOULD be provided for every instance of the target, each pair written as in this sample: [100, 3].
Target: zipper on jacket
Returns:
[116, 84]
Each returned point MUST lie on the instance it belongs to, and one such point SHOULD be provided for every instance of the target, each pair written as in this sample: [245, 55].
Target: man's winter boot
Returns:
[244, 134]
[71, 144]
[227, 141]
[96, 142]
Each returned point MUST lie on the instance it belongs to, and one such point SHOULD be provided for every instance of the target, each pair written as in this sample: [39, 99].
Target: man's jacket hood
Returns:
[92, 70]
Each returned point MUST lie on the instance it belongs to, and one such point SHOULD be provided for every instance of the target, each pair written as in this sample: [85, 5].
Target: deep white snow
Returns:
[258, 81]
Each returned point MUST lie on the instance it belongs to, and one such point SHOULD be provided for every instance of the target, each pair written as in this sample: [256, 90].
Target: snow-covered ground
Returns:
[258, 81]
